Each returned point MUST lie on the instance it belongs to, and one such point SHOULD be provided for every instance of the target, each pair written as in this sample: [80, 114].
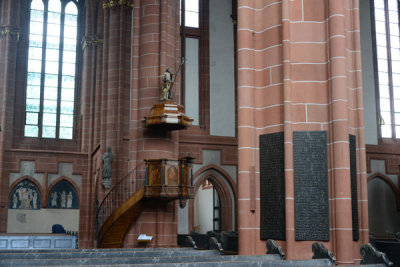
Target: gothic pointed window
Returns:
[51, 70]
[387, 66]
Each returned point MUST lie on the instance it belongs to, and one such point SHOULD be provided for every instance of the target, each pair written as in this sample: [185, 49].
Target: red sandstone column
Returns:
[156, 40]
[299, 70]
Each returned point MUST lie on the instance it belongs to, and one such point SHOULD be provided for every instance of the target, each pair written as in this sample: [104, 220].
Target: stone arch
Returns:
[74, 187]
[389, 182]
[217, 176]
[19, 202]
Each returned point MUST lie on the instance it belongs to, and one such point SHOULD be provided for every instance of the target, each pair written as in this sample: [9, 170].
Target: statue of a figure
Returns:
[107, 167]
[167, 79]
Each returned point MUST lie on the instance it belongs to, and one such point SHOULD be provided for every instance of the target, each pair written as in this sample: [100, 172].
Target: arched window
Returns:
[387, 66]
[52, 67]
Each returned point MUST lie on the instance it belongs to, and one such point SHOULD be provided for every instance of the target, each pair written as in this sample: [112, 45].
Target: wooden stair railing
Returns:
[119, 208]
[165, 180]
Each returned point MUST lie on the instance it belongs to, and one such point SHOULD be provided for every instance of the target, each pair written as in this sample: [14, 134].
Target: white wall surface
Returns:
[203, 210]
[222, 82]
[41, 221]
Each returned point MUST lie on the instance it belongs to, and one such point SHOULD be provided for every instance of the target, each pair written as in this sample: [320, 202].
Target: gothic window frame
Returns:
[201, 33]
[21, 115]
[387, 93]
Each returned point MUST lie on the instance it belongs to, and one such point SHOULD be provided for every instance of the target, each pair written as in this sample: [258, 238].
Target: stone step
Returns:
[259, 260]
[109, 253]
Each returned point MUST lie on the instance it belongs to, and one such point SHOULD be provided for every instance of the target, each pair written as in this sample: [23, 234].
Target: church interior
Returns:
[135, 123]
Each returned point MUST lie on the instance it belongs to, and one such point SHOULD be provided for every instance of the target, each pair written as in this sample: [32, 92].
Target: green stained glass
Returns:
[67, 94]
[69, 44]
[54, 18]
[49, 119]
[65, 132]
[68, 81]
[33, 91]
[53, 42]
[67, 107]
[50, 93]
[71, 9]
[32, 118]
[31, 131]
[66, 120]
[49, 132]
[37, 15]
[33, 78]
[37, 4]
[36, 28]
[71, 20]
[32, 105]
[50, 80]
[34, 65]
[50, 106]
[35, 53]
[35, 40]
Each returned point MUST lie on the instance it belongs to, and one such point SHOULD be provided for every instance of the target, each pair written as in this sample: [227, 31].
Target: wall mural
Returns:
[63, 196]
[25, 196]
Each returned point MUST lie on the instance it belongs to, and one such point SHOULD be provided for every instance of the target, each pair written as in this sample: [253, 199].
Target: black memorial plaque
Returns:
[353, 179]
[311, 186]
[272, 187]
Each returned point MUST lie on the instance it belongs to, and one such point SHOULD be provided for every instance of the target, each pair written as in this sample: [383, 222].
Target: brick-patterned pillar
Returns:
[9, 36]
[299, 70]
[156, 46]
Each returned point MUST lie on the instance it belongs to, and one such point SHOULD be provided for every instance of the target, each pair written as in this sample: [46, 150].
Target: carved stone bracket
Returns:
[91, 41]
[273, 248]
[214, 244]
[9, 31]
[117, 3]
[321, 252]
[370, 255]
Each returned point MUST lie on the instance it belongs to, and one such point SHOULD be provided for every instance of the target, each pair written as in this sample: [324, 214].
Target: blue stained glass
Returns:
[69, 57]
[50, 80]
[54, 18]
[67, 94]
[71, 20]
[50, 93]
[37, 4]
[49, 119]
[66, 120]
[52, 54]
[35, 40]
[35, 53]
[49, 132]
[36, 28]
[34, 65]
[70, 32]
[32, 118]
[55, 5]
[32, 105]
[37, 15]
[53, 29]
[70, 44]
[53, 42]
[71, 9]
[65, 133]
[50, 106]
[68, 69]
[52, 67]
[67, 107]
[31, 131]
[33, 91]
[33, 78]
[68, 81]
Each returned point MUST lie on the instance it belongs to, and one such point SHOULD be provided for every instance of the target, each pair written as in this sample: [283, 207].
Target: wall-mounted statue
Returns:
[107, 168]
[168, 80]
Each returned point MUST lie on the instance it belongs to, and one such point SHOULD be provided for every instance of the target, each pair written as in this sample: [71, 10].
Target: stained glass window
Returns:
[51, 83]
[387, 40]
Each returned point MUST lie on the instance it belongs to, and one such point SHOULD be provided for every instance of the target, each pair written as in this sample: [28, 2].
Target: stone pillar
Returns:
[299, 70]
[156, 46]
[9, 38]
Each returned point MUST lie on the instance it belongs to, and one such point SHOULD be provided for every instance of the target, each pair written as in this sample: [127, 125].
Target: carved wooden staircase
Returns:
[164, 179]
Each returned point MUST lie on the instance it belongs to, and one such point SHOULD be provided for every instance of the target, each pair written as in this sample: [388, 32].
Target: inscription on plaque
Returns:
[353, 179]
[272, 187]
[311, 198]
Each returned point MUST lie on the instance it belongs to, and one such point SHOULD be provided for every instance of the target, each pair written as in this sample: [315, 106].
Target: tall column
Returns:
[299, 71]
[156, 37]
[9, 37]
